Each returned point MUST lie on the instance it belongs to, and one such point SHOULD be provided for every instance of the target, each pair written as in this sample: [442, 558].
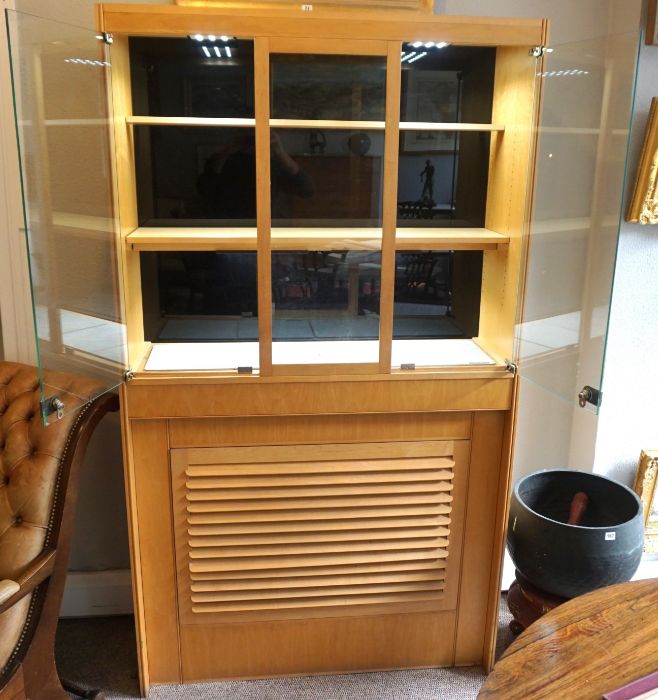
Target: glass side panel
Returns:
[583, 139]
[327, 177]
[442, 178]
[437, 294]
[197, 76]
[61, 78]
[195, 176]
[320, 297]
[328, 87]
[200, 297]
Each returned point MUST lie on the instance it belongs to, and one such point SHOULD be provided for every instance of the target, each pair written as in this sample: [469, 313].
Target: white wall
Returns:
[569, 20]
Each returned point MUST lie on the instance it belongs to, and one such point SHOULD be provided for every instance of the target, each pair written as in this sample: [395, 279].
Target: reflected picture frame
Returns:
[645, 486]
[429, 92]
[643, 205]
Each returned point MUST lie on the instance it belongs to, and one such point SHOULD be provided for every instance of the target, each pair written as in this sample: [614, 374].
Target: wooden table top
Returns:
[582, 649]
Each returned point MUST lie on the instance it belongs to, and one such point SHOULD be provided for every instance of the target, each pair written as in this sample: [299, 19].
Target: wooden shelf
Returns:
[449, 126]
[448, 239]
[310, 124]
[241, 239]
[189, 121]
[346, 124]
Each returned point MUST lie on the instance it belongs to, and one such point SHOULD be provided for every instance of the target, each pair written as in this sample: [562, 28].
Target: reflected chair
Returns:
[39, 478]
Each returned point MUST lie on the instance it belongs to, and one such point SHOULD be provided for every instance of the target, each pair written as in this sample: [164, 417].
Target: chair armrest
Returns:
[8, 588]
[37, 572]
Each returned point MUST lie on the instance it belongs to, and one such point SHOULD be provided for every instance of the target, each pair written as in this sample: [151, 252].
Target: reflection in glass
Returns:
[326, 177]
[205, 176]
[190, 78]
[443, 178]
[448, 84]
[437, 294]
[326, 295]
[199, 296]
[328, 87]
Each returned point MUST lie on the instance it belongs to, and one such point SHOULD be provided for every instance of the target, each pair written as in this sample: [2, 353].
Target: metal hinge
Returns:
[408, 365]
[588, 394]
[51, 405]
[245, 370]
[511, 367]
[105, 37]
[128, 374]
[539, 51]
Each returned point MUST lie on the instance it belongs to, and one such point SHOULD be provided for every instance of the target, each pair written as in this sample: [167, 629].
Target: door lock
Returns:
[589, 394]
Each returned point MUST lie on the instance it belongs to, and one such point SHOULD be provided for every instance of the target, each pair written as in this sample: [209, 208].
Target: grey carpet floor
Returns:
[100, 653]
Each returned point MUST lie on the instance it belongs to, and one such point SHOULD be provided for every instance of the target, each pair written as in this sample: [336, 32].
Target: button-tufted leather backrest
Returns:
[30, 459]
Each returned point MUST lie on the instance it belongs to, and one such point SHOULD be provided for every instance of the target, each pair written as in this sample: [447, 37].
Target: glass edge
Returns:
[21, 169]
[629, 140]
[31, 15]
[118, 272]
[51, 418]
[533, 166]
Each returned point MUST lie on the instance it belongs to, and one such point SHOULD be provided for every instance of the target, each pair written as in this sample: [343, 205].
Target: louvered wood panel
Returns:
[313, 528]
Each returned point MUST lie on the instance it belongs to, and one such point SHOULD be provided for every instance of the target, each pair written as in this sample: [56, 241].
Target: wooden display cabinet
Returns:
[333, 505]
[328, 516]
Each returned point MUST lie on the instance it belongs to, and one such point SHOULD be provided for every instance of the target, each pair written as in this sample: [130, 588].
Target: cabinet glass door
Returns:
[586, 110]
[327, 124]
[61, 82]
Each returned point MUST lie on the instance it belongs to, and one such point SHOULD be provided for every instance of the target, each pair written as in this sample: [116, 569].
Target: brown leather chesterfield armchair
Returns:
[39, 470]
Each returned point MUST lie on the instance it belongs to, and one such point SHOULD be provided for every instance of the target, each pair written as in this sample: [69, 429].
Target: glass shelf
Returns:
[208, 357]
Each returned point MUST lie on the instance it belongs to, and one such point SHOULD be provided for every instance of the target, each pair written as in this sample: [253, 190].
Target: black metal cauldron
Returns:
[568, 560]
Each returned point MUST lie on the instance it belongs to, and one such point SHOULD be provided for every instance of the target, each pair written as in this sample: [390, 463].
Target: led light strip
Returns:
[210, 37]
[563, 73]
[419, 56]
[87, 62]
[430, 44]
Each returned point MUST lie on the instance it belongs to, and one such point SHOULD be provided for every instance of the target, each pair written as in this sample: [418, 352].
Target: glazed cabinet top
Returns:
[376, 214]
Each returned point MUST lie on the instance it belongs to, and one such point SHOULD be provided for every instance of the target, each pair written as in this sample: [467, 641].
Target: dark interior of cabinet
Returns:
[442, 175]
[320, 177]
[316, 295]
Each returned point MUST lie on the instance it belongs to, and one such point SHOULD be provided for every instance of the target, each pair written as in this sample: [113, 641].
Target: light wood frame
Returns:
[643, 205]
[413, 5]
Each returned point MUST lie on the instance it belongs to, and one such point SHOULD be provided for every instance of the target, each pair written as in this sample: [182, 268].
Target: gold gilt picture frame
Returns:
[643, 207]
[651, 35]
[645, 487]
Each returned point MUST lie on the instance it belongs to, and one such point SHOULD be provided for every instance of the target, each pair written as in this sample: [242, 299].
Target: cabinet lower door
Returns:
[317, 558]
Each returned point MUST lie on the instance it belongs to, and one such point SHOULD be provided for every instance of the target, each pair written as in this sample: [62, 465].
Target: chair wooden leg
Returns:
[81, 692]
[41, 680]
[15, 688]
